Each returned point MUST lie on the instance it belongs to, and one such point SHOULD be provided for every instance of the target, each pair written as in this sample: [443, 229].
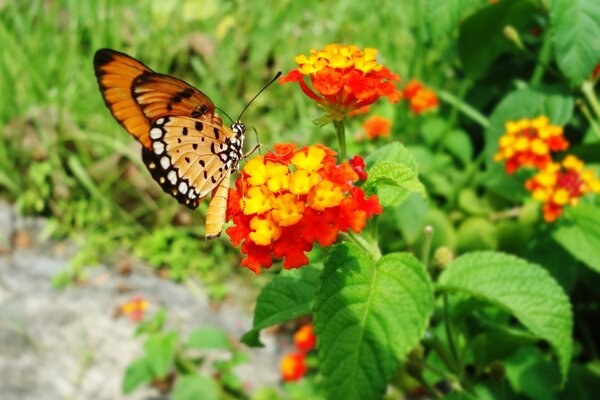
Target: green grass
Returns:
[63, 155]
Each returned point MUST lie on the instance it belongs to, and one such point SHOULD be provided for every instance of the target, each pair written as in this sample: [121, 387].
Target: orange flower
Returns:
[562, 184]
[305, 338]
[529, 142]
[344, 79]
[421, 98]
[135, 308]
[293, 367]
[287, 200]
[377, 126]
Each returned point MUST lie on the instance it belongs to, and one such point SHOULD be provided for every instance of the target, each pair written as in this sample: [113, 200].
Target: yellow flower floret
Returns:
[311, 160]
[301, 181]
[338, 56]
[257, 171]
[325, 195]
[287, 209]
[258, 200]
[264, 230]
[278, 177]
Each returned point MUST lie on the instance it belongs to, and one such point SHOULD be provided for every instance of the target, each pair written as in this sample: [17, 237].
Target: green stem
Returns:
[543, 59]
[588, 115]
[340, 130]
[462, 91]
[370, 247]
[433, 392]
[428, 231]
[463, 107]
[450, 335]
[417, 56]
[588, 91]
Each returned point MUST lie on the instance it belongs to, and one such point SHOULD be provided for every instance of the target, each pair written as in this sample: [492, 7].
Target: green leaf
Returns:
[575, 28]
[160, 352]
[476, 233]
[433, 130]
[393, 182]
[395, 152]
[555, 102]
[368, 315]
[481, 40]
[193, 387]
[529, 374]
[525, 290]
[443, 16]
[459, 144]
[580, 234]
[289, 295]
[209, 338]
[138, 372]
[153, 324]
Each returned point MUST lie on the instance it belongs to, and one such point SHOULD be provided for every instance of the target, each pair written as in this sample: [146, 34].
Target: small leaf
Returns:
[393, 182]
[526, 290]
[368, 315]
[289, 295]
[580, 234]
[193, 387]
[476, 233]
[138, 372]
[395, 152]
[458, 144]
[160, 352]
[575, 27]
[209, 338]
[529, 373]
[153, 324]
[433, 130]
[443, 16]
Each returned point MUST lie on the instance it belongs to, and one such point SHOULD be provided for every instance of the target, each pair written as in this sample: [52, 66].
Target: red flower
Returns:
[286, 201]
[377, 126]
[421, 98]
[358, 165]
[135, 308]
[305, 339]
[293, 367]
[344, 79]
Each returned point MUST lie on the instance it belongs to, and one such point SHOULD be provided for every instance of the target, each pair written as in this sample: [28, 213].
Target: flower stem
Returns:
[588, 90]
[428, 231]
[340, 130]
[450, 336]
[542, 60]
[588, 115]
[463, 107]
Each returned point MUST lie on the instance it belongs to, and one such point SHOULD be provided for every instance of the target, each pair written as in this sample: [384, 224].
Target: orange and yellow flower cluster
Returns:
[293, 365]
[529, 142]
[344, 78]
[286, 200]
[421, 98]
[377, 126]
[135, 308]
[562, 184]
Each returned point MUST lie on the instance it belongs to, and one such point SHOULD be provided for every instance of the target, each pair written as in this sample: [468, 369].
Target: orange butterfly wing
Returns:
[137, 96]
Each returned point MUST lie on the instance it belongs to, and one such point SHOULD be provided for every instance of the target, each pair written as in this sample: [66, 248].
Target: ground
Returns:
[68, 344]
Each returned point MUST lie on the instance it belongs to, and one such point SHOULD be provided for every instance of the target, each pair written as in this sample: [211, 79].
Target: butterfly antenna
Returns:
[225, 114]
[259, 92]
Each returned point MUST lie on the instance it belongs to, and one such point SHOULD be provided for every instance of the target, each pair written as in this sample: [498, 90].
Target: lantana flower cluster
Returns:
[134, 308]
[293, 365]
[562, 184]
[344, 78]
[377, 126]
[421, 98]
[287, 200]
[529, 142]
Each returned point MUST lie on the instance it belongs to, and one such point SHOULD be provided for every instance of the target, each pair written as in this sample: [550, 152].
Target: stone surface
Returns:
[69, 345]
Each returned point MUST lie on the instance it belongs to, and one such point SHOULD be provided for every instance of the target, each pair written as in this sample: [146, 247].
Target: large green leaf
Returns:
[555, 102]
[525, 290]
[580, 234]
[193, 387]
[482, 40]
[289, 295]
[393, 182]
[209, 338]
[138, 372]
[368, 315]
[395, 152]
[575, 28]
[443, 16]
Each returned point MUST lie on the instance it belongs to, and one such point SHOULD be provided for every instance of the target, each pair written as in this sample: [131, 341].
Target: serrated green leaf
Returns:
[393, 182]
[395, 152]
[575, 27]
[138, 372]
[289, 295]
[194, 387]
[555, 102]
[481, 39]
[160, 352]
[209, 338]
[368, 315]
[443, 16]
[579, 234]
[526, 290]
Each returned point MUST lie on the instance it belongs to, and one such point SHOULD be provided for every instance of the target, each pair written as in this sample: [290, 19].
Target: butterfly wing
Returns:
[190, 158]
[137, 96]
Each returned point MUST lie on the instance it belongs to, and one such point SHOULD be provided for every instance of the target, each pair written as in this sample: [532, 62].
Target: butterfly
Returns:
[185, 146]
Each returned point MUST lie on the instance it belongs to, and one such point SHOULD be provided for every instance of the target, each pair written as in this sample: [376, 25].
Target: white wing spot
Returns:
[160, 121]
[183, 187]
[165, 162]
[172, 177]
[159, 147]
[156, 133]
[192, 195]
